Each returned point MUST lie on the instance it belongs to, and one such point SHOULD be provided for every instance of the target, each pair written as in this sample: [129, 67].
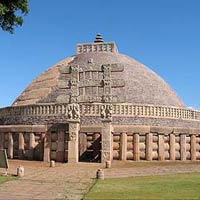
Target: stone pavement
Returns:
[72, 181]
[65, 181]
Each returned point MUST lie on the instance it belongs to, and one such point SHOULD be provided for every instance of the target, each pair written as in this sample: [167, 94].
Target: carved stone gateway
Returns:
[90, 82]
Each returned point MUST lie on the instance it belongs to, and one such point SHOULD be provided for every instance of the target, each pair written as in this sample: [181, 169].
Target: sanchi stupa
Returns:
[99, 106]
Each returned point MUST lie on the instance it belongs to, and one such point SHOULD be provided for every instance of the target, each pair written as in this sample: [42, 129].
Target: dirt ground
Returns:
[72, 181]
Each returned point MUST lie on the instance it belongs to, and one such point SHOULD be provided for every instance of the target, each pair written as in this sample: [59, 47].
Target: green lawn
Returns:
[178, 186]
[6, 178]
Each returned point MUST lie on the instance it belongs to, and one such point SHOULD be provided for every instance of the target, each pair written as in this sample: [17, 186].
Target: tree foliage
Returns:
[12, 13]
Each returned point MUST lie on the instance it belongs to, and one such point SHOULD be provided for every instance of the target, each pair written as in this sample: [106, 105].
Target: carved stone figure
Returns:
[90, 60]
[73, 111]
[106, 111]
[103, 112]
[106, 68]
[73, 82]
[106, 145]
[107, 98]
[105, 156]
[72, 136]
[106, 82]
[74, 68]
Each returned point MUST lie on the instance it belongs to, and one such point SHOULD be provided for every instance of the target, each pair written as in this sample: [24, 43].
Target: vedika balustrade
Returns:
[94, 109]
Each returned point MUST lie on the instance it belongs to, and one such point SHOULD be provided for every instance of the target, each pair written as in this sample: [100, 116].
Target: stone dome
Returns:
[131, 81]
[99, 105]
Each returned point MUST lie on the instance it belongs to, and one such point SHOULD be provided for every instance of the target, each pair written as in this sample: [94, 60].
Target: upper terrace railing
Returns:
[126, 110]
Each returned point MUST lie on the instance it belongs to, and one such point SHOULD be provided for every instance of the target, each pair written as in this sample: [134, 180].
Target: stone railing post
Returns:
[21, 146]
[31, 146]
[123, 146]
[183, 146]
[193, 147]
[10, 145]
[149, 139]
[161, 147]
[172, 147]
[47, 142]
[136, 147]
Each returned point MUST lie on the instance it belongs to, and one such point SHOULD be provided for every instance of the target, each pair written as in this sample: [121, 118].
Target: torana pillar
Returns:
[106, 133]
[73, 115]
[74, 126]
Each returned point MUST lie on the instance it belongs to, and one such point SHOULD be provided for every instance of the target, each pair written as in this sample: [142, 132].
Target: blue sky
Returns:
[162, 34]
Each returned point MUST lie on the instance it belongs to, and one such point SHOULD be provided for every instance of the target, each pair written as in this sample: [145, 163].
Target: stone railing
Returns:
[129, 110]
[155, 111]
[97, 47]
[35, 110]
[126, 110]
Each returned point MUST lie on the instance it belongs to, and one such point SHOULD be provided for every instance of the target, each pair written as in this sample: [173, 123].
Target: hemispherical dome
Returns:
[130, 81]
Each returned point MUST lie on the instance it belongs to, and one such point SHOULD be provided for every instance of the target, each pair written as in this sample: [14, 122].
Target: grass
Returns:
[6, 178]
[170, 187]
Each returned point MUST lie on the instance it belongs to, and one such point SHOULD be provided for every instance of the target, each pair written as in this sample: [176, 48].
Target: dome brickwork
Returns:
[132, 82]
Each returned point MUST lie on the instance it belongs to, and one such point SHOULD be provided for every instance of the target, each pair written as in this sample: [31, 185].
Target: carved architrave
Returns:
[116, 67]
[115, 83]
[90, 83]
[86, 98]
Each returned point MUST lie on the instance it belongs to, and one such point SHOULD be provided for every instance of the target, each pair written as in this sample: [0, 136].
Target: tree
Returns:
[11, 13]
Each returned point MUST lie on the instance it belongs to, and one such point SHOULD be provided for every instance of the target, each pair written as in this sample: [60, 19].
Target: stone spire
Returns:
[98, 38]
